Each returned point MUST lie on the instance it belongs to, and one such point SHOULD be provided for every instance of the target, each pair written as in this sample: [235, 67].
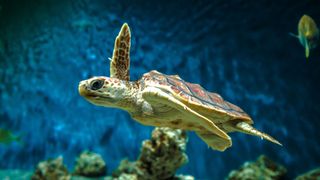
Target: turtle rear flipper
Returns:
[248, 129]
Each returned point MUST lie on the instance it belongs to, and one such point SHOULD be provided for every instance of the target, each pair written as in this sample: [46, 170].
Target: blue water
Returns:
[239, 49]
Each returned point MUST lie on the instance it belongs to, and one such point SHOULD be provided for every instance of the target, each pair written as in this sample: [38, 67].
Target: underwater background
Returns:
[239, 49]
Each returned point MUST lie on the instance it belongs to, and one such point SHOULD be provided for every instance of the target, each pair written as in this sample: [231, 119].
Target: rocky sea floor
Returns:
[160, 157]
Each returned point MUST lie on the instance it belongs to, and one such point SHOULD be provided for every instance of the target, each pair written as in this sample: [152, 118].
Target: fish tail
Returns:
[307, 51]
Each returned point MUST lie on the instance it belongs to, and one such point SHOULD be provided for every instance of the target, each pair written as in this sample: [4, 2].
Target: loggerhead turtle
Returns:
[167, 100]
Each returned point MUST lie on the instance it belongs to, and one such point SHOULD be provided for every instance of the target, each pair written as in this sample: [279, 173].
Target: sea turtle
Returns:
[167, 100]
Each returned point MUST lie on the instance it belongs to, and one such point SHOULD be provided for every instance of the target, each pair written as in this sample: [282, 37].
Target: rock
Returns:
[125, 167]
[51, 169]
[160, 156]
[90, 164]
[310, 175]
[264, 168]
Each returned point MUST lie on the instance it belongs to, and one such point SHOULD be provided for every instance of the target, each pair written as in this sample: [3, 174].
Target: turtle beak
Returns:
[82, 88]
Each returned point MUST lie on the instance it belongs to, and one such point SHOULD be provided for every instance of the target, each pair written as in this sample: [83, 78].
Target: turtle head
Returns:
[104, 91]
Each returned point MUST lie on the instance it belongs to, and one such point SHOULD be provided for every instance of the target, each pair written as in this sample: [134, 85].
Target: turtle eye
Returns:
[96, 84]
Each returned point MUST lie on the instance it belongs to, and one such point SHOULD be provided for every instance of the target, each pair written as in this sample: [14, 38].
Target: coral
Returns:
[263, 168]
[160, 156]
[90, 164]
[51, 169]
[312, 175]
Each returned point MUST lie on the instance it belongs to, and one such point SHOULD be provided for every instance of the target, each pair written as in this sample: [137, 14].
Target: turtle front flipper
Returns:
[214, 141]
[248, 129]
[156, 96]
[120, 62]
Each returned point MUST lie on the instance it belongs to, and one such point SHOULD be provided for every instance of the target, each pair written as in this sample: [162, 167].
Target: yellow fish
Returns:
[308, 33]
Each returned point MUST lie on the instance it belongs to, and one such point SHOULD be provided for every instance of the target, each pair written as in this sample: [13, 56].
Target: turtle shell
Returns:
[212, 105]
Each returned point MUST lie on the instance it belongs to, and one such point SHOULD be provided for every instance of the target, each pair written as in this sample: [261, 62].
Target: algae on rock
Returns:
[90, 164]
[159, 159]
[51, 169]
[264, 168]
[160, 156]
[310, 175]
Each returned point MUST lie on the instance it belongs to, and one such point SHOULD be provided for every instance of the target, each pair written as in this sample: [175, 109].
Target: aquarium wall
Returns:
[239, 49]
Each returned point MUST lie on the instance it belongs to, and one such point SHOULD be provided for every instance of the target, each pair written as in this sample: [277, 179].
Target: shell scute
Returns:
[211, 104]
[173, 81]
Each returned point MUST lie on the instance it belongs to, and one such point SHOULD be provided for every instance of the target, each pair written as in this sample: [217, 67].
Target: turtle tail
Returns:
[248, 129]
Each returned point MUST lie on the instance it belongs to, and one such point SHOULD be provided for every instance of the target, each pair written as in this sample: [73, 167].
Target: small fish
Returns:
[308, 33]
[6, 137]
